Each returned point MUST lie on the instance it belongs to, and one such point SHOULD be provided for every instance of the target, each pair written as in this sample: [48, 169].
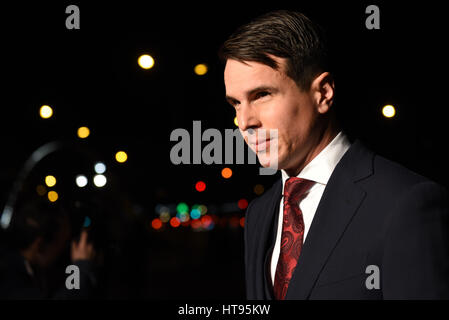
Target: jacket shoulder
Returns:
[396, 174]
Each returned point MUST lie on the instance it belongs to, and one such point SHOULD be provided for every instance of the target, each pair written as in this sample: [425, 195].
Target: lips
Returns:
[260, 146]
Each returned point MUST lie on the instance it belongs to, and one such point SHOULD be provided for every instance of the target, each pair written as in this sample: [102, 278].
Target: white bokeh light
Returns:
[100, 180]
[100, 167]
[81, 181]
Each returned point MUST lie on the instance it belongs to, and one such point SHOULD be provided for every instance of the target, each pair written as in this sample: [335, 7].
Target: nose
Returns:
[247, 118]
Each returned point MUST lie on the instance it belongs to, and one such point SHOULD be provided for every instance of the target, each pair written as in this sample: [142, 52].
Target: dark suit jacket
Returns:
[372, 212]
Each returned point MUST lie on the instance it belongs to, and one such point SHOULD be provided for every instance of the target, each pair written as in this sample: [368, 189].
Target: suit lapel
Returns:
[340, 201]
[269, 230]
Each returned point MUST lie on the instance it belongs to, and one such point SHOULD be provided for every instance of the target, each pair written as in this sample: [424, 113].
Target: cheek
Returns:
[278, 114]
[285, 118]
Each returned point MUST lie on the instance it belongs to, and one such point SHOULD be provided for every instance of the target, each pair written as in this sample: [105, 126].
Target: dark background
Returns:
[90, 77]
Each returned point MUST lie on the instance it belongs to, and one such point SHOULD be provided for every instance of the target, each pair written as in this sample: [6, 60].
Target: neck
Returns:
[322, 139]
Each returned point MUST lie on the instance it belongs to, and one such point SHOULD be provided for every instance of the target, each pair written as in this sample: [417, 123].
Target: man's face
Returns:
[265, 98]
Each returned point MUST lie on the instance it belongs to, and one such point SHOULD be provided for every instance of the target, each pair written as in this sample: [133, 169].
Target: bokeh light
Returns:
[234, 222]
[196, 224]
[52, 196]
[146, 61]
[121, 156]
[164, 216]
[100, 167]
[83, 132]
[242, 203]
[388, 111]
[100, 180]
[174, 222]
[183, 216]
[41, 190]
[182, 207]
[236, 122]
[200, 69]
[195, 214]
[200, 186]
[203, 209]
[226, 173]
[50, 181]
[156, 224]
[207, 222]
[45, 112]
[259, 189]
[81, 180]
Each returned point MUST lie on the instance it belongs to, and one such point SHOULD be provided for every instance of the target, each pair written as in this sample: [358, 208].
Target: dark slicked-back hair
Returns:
[284, 34]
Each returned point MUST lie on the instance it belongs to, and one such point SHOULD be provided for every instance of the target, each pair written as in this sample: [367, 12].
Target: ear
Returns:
[323, 89]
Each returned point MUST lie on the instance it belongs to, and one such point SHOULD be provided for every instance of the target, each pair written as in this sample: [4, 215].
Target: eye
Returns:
[233, 102]
[261, 94]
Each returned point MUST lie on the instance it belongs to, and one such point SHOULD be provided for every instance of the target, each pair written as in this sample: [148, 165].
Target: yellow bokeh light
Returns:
[146, 61]
[236, 122]
[50, 181]
[45, 112]
[388, 111]
[83, 132]
[200, 69]
[121, 156]
[52, 196]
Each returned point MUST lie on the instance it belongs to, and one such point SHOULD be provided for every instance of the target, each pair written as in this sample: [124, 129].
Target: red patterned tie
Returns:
[295, 190]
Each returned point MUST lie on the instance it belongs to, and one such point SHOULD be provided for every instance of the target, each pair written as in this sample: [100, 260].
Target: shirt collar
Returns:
[321, 167]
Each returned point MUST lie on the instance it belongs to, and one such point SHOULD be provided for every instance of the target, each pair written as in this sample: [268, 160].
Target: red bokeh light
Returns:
[196, 224]
[234, 222]
[156, 224]
[174, 222]
[206, 220]
[200, 186]
[243, 203]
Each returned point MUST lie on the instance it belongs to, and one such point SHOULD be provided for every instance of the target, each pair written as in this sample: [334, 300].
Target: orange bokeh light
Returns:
[226, 173]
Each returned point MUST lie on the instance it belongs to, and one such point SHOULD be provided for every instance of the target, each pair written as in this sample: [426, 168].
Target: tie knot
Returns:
[296, 188]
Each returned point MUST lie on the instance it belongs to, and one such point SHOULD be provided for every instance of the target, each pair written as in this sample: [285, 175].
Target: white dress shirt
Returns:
[318, 170]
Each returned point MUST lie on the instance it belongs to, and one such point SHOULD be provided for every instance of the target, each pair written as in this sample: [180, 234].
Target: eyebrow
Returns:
[252, 91]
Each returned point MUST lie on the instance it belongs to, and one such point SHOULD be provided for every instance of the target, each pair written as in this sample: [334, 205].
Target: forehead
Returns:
[241, 77]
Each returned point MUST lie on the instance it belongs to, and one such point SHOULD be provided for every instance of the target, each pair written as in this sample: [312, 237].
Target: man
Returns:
[37, 237]
[342, 222]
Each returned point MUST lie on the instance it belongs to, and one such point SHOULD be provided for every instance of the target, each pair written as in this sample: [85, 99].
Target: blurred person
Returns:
[36, 238]
[341, 222]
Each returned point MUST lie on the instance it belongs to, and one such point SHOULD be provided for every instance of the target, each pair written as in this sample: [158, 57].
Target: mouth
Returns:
[260, 146]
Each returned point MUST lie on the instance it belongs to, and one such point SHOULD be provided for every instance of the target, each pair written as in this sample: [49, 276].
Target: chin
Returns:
[266, 161]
